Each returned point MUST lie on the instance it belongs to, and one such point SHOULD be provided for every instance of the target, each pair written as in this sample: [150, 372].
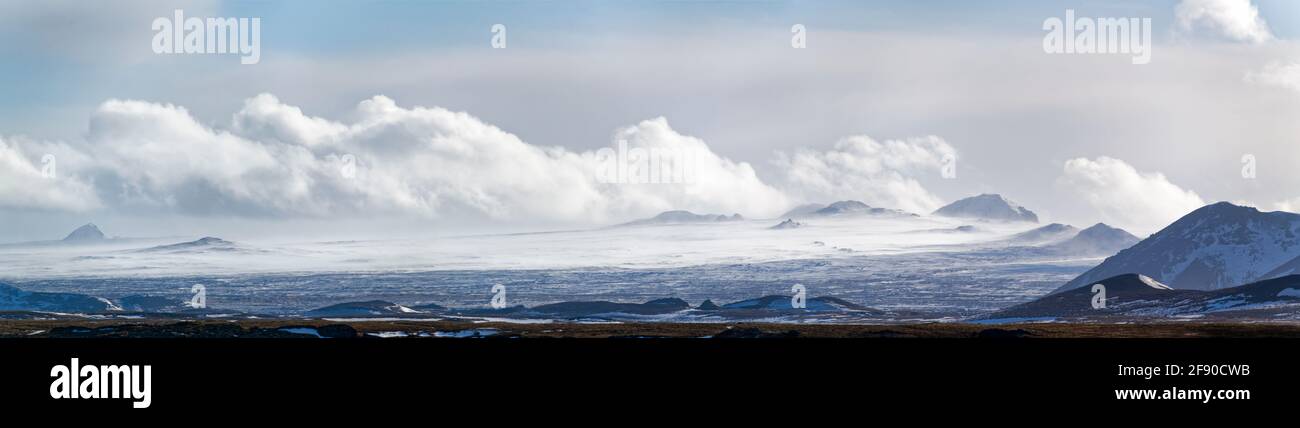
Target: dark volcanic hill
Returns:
[585, 309]
[15, 299]
[1137, 297]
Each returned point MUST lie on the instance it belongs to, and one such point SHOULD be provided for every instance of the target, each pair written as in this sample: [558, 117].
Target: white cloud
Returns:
[719, 184]
[1122, 196]
[1237, 20]
[425, 162]
[879, 174]
[275, 161]
[31, 179]
[1292, 205]
[1277, 74]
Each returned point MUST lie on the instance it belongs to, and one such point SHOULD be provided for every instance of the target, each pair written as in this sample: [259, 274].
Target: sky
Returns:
[396, 118]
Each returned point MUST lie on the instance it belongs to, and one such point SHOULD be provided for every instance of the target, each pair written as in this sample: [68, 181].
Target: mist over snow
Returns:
[646, 246]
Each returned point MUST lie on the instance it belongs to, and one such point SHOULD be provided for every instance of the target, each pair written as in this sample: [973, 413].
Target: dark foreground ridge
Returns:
[1134, 297]
[465, 329]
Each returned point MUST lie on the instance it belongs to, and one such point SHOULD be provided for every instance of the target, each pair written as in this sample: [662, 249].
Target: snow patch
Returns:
[303, 330]
[1290, 292]
[1153, 283]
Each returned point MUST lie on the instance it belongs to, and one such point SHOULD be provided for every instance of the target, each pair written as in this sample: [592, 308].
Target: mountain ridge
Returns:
[987, 206]
[1216, 246]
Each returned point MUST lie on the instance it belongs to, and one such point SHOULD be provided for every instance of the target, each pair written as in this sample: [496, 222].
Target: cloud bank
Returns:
[1123, 196]
[1236, 20]
[878, 173]
[1277, 74]
[429, 162]
[273, 160]
[37, 186]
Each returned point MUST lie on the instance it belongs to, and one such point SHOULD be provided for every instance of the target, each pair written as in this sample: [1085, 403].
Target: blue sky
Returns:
[43, 69]
[972, 74]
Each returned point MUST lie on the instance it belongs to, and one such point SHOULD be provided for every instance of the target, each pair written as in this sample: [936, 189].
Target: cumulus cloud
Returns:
[30, 179]
[1237, 20]
[1125, 197]
[1277, 74]
[274, 160]
[877, 173]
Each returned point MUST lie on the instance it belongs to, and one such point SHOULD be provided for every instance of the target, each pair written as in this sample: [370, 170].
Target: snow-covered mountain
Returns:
[787, 224]
[803, 210]
[682, 216]
[1054, 232]
[1216, 246]
[1291, 267]
[1098, 240]
[987, 207]
[87, 233]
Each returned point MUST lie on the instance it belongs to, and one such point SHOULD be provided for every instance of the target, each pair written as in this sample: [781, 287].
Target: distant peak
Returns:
[1225, 206]
[683, 216]
[849, 203]
[787, 224]
[987, 206]
[88, 232]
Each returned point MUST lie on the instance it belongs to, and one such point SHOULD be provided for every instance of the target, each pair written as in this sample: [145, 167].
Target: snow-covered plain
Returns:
[915, 263]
